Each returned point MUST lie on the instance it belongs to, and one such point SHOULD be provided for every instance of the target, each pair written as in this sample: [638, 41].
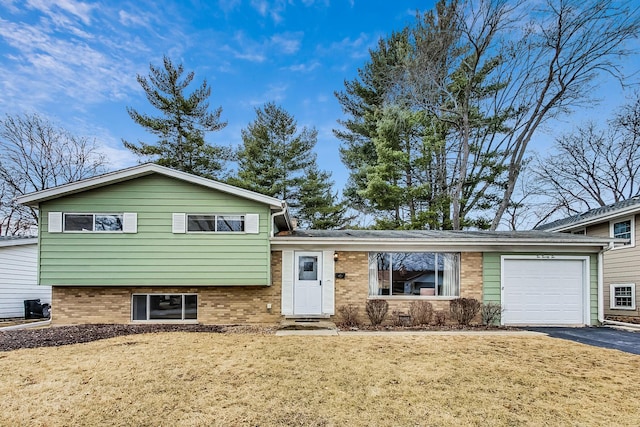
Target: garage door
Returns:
[543, 291]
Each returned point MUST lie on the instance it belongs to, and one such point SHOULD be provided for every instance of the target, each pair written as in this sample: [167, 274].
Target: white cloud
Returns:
[261, 6]
[78, 9]
[228, 5]
[304, 68]
[287, 43]
[274, 93]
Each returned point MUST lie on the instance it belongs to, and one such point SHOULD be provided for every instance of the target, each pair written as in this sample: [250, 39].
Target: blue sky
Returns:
[76, 62]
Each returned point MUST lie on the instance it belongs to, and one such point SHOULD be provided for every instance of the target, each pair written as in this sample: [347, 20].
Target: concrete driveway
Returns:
[600, 337]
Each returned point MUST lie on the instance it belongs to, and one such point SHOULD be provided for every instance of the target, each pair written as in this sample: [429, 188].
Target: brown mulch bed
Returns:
[625, 319]
[64, 335]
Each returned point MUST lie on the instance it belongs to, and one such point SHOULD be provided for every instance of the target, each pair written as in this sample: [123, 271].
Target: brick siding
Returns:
[216, 305]
[245, 304]
[354, 289]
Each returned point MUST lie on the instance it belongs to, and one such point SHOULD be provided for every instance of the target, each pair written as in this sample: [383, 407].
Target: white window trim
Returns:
[612, 298]
[183, 320]
[632, 221]
[122, 214]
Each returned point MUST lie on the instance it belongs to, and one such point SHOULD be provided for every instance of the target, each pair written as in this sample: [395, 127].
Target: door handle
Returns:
[320, 282]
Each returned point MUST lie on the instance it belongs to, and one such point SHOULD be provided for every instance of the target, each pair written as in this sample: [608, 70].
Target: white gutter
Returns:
[273, 218]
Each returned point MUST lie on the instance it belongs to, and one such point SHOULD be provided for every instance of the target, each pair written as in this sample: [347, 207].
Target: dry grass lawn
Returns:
[192, 379]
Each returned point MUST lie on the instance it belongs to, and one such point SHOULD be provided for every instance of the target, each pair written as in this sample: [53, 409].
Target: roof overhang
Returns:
[442, 245]
[621, 213]
[18, 241]
[34, 199]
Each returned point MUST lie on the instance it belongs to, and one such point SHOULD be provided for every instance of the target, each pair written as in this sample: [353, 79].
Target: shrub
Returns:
[349, 316]
[421, 312]
[463, 310]
[440, 318]
[377, 311]
[396, 320]
[491, 313]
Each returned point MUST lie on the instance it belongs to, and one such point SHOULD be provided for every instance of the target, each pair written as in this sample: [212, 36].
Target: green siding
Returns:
[491, 278]
[154, 255]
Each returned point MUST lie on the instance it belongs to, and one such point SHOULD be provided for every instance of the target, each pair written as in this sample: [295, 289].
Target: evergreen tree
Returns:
[274, 155]
[319, 206]
[181, 128]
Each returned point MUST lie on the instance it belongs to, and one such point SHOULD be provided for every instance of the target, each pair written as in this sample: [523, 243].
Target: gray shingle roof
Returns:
[593, 214]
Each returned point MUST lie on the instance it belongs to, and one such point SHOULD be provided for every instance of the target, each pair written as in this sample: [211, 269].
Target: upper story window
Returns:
[215, 223]
[93, 222]
[414, 274]
[623, 229]
[59, 222]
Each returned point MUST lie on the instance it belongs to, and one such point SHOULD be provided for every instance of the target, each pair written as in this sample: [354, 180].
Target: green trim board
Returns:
[491, 278]
[155, 255]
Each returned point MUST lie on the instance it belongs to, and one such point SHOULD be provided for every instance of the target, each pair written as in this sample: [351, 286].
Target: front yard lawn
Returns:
[188, 379]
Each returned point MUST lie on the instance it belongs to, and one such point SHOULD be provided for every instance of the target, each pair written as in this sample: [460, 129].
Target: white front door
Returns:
[307, 290]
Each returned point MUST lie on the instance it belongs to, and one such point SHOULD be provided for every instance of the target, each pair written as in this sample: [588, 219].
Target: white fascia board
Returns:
[442, 246]
[32, 199]
[631, 210]
[19, 242]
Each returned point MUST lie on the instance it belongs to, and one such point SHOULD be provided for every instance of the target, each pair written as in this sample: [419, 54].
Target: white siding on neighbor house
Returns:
[18, 279]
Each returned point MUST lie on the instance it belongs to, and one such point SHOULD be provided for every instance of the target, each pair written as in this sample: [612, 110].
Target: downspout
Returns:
[601, 283]
[273, 218]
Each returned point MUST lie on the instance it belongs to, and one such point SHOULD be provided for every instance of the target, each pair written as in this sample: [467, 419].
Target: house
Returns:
[621, 269]
[151, 244]
[18, 276]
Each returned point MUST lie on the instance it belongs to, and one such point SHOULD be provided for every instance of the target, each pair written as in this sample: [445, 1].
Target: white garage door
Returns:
[544, 291]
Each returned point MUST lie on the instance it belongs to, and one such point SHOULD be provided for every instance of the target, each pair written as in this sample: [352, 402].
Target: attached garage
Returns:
[545, 290]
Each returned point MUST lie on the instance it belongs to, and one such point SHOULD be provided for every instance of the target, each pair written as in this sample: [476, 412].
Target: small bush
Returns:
[396, 319]
[491, 313]
[349, 316]
[421, 312]
[440, 318]
[463, 310]
[377, 311]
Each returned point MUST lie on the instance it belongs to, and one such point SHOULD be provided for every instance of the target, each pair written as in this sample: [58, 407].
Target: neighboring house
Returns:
[19, 276]
[151, 244]
[621, 263]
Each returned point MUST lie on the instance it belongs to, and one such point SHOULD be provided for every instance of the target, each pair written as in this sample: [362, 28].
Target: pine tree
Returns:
[184, 122]
[274, 155]
[319, 206]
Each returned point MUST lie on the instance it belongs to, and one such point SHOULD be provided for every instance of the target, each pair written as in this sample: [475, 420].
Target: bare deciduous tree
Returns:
[35, 155]
[592, 167]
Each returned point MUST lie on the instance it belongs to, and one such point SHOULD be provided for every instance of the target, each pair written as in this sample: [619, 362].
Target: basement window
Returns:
[164, 307]
[623, 296]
